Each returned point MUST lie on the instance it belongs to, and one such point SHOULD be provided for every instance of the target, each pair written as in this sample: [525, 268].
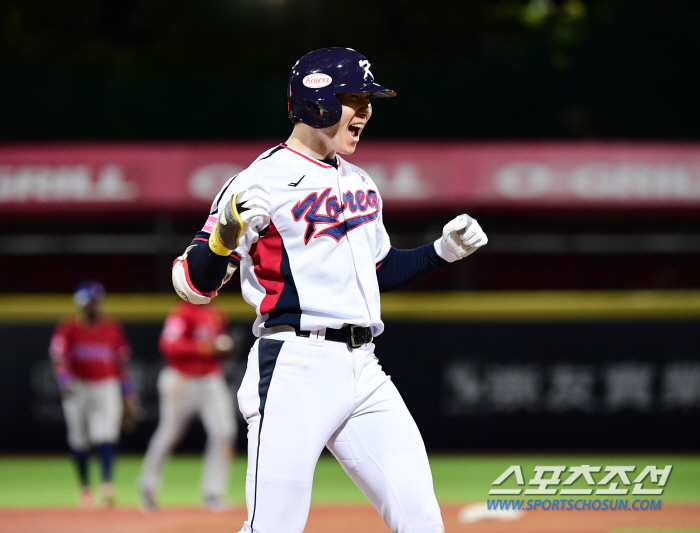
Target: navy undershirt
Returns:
[207, 269]
[401, 267]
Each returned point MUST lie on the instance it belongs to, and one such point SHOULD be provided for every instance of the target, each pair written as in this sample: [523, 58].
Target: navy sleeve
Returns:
[401, 267]
[207, 269]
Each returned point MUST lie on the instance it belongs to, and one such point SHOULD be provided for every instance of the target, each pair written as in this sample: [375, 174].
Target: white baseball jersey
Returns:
[316, 266]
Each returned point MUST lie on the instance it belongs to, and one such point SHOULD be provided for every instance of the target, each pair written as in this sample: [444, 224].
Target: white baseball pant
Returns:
[181, 398]
[301, 394]
[93, 413]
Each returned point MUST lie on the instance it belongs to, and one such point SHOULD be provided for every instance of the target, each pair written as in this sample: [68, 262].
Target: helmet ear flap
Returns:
[315, 108]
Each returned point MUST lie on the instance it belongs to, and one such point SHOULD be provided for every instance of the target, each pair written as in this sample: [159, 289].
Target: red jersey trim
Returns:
[314, 161]
[268, 252]
[382, 261]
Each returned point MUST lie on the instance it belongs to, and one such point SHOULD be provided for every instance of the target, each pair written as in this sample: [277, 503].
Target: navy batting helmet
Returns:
[319, 76]
[88, 291]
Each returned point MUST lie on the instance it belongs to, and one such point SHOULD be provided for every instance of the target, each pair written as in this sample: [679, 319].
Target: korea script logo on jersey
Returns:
[359, 201]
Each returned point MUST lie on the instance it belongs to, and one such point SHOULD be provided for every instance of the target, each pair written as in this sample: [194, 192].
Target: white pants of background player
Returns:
[93, 413]
[181, 398]
[299, 395]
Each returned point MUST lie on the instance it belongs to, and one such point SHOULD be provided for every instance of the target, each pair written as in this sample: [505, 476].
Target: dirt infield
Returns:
[342, 519]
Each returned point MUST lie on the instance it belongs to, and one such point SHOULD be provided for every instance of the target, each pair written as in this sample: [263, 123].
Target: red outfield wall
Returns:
[187, 176]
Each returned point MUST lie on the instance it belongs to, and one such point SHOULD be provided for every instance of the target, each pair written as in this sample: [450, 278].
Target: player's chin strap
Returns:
[183, 284]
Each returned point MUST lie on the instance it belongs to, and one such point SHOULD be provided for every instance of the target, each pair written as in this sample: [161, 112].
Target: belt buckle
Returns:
[301, 333]
[352, 343]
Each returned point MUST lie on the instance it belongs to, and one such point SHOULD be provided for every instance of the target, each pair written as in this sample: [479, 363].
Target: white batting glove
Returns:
[253, 206]
[249, 208]
[461, 237]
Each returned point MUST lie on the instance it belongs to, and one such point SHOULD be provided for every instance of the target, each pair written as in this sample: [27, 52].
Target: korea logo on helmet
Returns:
[317, 80]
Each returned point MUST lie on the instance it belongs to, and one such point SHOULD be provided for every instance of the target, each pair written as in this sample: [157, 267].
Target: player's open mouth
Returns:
[355, 130]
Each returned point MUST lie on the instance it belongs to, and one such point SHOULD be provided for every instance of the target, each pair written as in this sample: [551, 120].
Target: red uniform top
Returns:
[90, 351]
[187, 338]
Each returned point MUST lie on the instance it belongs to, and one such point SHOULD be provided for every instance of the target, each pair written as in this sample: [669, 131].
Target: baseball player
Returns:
[305, 227]
[90, 356]
[193, 341]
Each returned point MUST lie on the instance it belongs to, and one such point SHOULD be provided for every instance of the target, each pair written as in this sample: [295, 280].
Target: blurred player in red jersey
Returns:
[193, 342]
[90, 355]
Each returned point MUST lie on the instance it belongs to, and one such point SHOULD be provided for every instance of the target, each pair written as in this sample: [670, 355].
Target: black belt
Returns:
[353, 336]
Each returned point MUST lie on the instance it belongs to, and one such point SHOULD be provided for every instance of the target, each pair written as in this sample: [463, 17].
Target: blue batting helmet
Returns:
[88, 291]
[319, 76]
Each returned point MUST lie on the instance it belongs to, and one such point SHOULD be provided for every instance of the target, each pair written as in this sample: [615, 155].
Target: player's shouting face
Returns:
[345, 134]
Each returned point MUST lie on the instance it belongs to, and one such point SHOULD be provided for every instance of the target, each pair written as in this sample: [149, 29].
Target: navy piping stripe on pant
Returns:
[268, 351]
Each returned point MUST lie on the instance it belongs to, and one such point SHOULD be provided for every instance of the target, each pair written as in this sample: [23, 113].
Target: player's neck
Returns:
[311, 142]
[89, 318]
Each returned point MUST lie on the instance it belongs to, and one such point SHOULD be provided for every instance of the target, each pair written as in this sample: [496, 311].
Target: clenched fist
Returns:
[461, 237]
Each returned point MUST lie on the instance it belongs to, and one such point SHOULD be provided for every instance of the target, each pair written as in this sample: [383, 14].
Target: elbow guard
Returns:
[183, 284]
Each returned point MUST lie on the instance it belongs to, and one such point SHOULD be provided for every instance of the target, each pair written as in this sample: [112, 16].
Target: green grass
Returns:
[49, 481]
[469, 477]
